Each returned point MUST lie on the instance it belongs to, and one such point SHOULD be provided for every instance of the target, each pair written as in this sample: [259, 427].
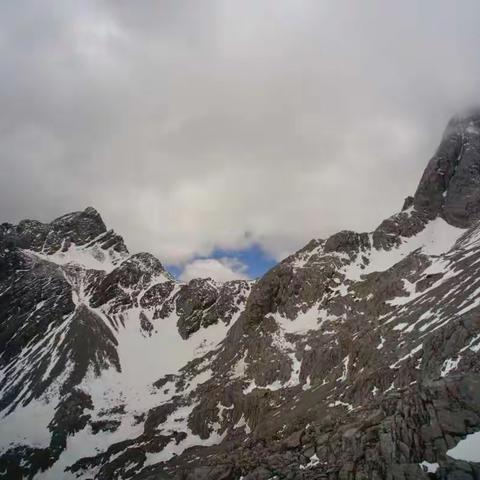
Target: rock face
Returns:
[449, 186]
[355, 358]
[78, 228]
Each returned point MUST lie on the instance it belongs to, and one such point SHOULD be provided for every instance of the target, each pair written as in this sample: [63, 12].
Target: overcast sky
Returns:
[203, 126]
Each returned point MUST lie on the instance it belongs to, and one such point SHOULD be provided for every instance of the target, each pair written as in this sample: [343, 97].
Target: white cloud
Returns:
[221, 270]
[195, 125]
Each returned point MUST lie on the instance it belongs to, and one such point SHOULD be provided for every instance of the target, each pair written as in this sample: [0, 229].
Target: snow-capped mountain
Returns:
[355, 358]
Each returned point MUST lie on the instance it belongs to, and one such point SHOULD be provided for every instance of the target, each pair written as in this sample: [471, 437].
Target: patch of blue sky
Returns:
[256, 261]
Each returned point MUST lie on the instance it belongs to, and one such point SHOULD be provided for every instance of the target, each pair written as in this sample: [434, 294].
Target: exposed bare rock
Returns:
[449, 185]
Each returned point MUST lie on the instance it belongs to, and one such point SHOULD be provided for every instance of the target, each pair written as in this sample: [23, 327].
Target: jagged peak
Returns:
[88, 218]
[463, 119]
[83, 231]
[449, 184]
[91, 211]
[145, 263]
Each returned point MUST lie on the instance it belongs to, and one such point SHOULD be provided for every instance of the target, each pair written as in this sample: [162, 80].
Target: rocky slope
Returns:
[354, 358]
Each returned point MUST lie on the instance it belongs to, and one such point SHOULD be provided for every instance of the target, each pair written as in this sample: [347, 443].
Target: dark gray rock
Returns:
[449, 185]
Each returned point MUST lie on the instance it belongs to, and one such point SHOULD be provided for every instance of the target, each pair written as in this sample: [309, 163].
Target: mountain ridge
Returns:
[355, 357]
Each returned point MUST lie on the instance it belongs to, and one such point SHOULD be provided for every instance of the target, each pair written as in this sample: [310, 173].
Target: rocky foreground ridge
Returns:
[355, 358]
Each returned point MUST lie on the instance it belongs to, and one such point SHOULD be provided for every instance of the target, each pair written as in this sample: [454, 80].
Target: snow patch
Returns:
[311, 319]
[449, 365]
[437, 238]
[467, 449]
[430, 467]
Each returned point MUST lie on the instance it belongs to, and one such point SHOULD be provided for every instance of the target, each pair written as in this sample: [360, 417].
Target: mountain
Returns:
[355, 358]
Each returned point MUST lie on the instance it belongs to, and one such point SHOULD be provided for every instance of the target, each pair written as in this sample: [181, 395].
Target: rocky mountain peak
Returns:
[79, 227]
[73, 237]
[449, 184]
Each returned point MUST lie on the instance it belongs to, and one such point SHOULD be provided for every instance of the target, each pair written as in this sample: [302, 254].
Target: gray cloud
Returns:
[193, 125]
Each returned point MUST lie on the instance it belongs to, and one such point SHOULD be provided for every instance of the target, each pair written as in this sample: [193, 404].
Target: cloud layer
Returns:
[195, 125]
[222, 270]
